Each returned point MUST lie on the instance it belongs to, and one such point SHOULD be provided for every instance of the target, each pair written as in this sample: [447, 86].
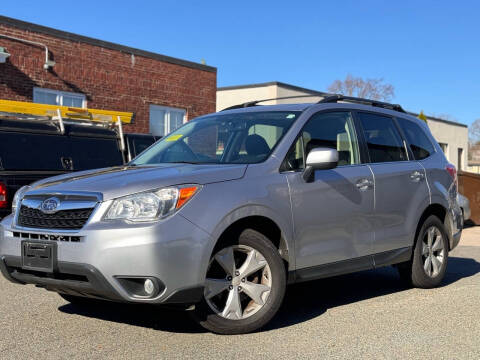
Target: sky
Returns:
[428, 50]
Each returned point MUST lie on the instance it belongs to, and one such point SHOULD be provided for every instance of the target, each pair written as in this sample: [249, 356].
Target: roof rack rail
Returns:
[255, 102]
[337, 97]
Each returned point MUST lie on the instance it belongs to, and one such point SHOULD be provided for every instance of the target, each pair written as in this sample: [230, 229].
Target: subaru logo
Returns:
[50, 205]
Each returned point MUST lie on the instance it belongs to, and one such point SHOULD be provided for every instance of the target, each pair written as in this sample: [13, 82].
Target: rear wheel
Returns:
[245, 285]
[430, 256]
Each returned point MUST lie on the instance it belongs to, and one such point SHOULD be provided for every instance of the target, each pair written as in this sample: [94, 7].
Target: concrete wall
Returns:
[284, 92]
[230, 96]
[473, 169]
[226, 98]
[455, 136]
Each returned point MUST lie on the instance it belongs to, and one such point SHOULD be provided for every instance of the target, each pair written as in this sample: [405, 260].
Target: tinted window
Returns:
[138, 143]
[94, 153]
[383, 139]
[141, 144]
[419, 143]
[23, 151]
[333, 130]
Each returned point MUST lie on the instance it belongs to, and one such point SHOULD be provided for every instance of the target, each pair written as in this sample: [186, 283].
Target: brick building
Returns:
[161, 91]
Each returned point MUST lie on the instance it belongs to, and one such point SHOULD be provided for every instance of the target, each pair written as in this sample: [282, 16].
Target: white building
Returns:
[452, 136]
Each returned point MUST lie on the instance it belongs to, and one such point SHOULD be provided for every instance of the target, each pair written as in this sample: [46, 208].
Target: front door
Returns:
[332, 214]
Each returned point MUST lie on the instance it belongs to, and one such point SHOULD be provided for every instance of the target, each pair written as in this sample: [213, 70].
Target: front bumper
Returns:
[93, 261]
[69, 278]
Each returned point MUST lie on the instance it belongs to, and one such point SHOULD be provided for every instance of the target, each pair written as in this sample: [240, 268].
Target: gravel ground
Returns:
[364, 315]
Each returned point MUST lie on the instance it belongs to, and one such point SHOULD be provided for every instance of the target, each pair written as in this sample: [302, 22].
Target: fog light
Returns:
[149, 286]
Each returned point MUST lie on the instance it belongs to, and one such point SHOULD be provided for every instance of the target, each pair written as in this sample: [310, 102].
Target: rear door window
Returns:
[420, 144]
[383, 138]
[140, 144]
[93, 153]
[25, 151]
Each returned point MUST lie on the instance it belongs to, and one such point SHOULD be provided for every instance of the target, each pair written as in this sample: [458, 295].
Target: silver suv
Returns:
[223, 213]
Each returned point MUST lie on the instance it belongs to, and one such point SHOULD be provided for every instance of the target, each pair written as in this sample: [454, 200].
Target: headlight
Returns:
[18, 197]
[152, 205]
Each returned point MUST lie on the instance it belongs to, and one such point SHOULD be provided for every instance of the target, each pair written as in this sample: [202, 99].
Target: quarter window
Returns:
[421, 146]
[383, 139]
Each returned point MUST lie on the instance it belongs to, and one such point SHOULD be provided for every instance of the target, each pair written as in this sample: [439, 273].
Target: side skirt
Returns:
[352, 265]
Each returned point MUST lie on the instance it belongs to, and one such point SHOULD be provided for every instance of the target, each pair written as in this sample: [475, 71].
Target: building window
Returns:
[460, 157]
[164, 120]
[444, 148]
[56, 97]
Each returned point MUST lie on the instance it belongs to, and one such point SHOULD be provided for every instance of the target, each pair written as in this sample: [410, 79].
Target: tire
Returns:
[429, 262]
[233, 310]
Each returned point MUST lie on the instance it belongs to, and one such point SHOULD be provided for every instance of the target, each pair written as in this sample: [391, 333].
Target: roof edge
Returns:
[439, 120]
[271, 83]
[24, 25]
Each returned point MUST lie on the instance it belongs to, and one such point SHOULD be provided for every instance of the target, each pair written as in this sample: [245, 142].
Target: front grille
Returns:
[50, 237]
[64, 219]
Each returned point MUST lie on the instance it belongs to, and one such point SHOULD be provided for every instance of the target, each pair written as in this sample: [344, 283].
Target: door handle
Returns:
[416, 176]
[364, 184]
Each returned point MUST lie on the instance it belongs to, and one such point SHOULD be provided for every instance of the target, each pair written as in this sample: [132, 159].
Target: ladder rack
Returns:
[61, 115]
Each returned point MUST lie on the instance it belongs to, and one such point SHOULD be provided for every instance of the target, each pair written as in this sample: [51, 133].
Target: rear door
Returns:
[332, 215]
[400, 186]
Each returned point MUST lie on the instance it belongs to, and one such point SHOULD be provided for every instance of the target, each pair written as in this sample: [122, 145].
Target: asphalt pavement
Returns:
[364, 315]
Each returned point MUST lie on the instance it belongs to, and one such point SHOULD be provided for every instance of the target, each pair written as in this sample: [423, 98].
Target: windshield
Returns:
[241, 138]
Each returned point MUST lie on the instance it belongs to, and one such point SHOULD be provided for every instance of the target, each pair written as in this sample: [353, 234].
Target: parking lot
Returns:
[362, 315]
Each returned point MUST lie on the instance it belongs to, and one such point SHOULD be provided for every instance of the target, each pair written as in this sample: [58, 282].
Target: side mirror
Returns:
[319, 159]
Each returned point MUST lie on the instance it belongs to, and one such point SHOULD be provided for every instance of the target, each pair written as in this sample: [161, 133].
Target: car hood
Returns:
[124, 180]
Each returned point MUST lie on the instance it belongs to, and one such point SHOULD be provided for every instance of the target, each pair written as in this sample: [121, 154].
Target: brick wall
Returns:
[110, 79]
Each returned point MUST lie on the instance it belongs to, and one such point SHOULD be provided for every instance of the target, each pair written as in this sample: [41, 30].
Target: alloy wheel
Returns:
[433, 251]
[238, 283]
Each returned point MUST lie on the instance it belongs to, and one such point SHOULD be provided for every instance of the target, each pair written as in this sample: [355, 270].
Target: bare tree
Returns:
[474, 132]
[374, 89]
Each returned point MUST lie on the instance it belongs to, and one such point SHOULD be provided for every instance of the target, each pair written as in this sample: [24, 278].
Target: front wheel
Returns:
[245, 285]
[430, 256]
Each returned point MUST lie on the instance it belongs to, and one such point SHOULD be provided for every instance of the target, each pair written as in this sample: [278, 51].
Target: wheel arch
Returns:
[440, 212]
[264, 220]
[263, 225]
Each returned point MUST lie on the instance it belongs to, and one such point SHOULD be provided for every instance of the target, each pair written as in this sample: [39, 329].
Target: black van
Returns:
[32, 150]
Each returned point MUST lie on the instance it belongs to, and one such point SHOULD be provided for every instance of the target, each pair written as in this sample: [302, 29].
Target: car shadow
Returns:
[308, 300]
[303, 301]
[147, 316]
